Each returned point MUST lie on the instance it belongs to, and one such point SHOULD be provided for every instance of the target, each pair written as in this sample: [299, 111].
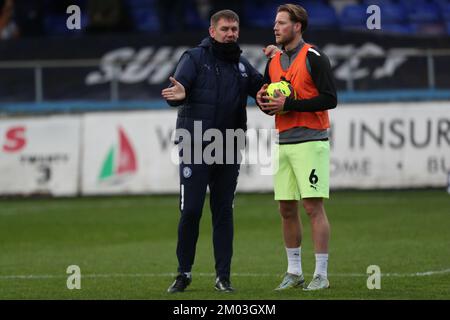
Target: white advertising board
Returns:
[373, 146]
[40, 155]
[390, 145]
[128, 152]
[133, 152]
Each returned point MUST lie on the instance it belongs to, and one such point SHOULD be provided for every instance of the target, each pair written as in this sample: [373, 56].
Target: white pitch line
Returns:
[154, 275]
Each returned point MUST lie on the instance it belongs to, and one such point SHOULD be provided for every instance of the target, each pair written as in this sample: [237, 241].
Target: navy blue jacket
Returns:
[216, 90]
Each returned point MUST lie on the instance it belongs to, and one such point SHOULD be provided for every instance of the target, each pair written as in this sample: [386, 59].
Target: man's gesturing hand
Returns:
[176, 92]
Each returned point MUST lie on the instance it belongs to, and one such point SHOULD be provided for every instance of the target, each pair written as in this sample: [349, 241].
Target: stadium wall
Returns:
[396, 145]
[42, 74]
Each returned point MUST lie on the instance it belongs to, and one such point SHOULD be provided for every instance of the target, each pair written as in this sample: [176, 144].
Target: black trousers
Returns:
[222, 181]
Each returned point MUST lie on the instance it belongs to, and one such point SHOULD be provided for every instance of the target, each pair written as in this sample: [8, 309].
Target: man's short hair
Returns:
[296, 14]
[224, 14]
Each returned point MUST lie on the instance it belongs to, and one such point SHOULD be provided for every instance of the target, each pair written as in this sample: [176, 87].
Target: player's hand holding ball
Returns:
[271, 98]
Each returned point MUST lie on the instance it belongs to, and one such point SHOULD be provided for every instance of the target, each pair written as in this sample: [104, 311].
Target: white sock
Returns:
[188, 274]
[294, 260]
[321, 264]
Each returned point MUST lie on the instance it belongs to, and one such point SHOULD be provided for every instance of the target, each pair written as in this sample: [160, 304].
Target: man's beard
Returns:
[288, 39]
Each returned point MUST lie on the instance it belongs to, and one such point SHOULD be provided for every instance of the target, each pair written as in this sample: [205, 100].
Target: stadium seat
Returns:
[194, 21]
[257, 14]
[429, 29]
[378, 2]
[441, 3]
[308, 3]
[145, 19]
[322, 16]
[393, 14]
[426, 18]
[394, 18]
[397, 28]
[55, 24]
[446, 12]
[409, 4]
[353, 17]
[424, 13]
[144, 15]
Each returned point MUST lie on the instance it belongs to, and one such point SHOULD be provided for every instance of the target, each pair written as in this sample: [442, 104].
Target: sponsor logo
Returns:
[242, 70]
[187, 172]
[45, 165]
[154, 65]
[241, 67]
[15, 139]
[120, 161]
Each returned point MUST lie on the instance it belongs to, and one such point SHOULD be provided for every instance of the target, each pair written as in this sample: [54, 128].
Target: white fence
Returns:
[373, 146]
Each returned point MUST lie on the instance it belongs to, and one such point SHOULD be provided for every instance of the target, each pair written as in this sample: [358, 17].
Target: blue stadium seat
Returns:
[426, 18]
[394, 18]
[441, 3]
[393, 14]
[308, 3]
[55, 24]
[258, 14]
[144, 15]
[397, 28]
[261, 13]
[193, 19]
[430, 29]
[424, 13]
[322, 16]
[145, 19]
[446, 12]
[140, 3]
[409, 4]
[378, 2]
[55, 17]
[353, 17]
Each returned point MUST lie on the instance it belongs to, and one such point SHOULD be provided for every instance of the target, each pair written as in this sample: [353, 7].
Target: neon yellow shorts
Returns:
[303, 170]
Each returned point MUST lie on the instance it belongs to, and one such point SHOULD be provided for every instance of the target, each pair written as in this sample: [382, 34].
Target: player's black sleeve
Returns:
[322, 77]
[266, 77]
[265, 80]
[185, 74]
[255, 82]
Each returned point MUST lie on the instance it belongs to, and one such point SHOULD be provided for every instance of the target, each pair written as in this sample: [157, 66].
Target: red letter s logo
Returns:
[15, 139]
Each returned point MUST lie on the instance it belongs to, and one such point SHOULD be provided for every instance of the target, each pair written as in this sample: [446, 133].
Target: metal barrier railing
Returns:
[114, 92]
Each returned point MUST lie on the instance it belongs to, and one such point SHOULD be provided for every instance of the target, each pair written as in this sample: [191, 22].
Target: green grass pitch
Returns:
[125, 247]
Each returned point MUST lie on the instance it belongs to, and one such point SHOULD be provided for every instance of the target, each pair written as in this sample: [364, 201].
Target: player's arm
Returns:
[322, 77]
[263, 85]
[266, 77]
[256, 81]
[181, 82]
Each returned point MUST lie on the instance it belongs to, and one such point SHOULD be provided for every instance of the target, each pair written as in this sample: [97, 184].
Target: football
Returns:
[284, 87]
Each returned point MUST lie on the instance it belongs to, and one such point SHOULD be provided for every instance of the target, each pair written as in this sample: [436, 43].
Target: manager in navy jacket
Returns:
[210, 86]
